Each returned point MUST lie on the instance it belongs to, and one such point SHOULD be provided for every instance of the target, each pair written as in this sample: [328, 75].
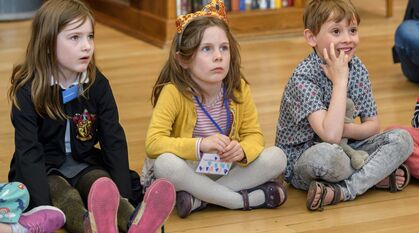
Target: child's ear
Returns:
[181, 61]
[310, 37]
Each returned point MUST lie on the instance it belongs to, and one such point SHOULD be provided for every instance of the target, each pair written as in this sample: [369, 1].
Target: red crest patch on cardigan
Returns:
[84, 125]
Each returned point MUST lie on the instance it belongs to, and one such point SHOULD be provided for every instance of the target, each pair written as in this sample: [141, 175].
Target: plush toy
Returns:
[357, 156]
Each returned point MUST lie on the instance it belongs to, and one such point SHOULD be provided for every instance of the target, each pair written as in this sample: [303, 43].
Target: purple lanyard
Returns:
[212, 119]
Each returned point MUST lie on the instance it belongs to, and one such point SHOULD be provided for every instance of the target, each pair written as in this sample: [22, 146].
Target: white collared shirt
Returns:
[82, 78]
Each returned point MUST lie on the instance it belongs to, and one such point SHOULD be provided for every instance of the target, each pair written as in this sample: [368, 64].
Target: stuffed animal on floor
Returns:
[357, 156]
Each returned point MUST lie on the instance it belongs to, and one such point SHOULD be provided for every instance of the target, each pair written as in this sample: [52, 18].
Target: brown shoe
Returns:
[185, 204]
[271, 190]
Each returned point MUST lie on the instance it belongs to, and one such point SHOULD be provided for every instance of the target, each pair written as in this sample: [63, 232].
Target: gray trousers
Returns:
[324, 161]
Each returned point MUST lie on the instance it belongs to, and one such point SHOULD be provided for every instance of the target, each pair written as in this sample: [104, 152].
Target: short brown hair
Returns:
[317, 12]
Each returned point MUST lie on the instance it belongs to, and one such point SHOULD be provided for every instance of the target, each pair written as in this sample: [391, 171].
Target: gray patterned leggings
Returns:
[328, 162]
[222, 191]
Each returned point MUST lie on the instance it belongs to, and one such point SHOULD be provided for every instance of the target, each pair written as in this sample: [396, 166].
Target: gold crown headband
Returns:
[215, 8]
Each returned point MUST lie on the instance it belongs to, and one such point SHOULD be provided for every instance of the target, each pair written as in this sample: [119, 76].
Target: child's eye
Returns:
[205, 49]
[336, 31]
[224, 48]
[75, 37]
[354, 31]
[91, 37]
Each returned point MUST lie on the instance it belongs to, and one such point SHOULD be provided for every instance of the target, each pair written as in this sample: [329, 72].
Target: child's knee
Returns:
[68, 199]
[404, 34]
[327, 154]
[58, 184]
[402, 141]
[337, 164]
[168, 166]
[273, 159]
[325, 161]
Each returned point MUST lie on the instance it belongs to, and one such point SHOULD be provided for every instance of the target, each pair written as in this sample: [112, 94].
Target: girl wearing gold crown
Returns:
[204, 135]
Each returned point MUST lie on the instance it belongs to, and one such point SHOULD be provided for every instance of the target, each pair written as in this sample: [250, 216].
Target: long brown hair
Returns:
[186, 44]
[40, 63]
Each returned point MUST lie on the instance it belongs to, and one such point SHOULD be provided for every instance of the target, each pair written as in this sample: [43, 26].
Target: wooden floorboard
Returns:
[132, 67]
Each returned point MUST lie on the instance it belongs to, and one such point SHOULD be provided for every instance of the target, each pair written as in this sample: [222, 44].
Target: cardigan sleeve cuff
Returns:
[198, 151]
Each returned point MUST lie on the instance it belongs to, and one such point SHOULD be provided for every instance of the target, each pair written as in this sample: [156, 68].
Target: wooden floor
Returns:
[132, 67]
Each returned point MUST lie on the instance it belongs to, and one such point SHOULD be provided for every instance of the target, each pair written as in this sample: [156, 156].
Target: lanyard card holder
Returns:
[70, 93]
[211, 164]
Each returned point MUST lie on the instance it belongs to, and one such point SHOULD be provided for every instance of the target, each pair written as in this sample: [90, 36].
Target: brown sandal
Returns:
[272, 195]
[392, 183]
[312, 190]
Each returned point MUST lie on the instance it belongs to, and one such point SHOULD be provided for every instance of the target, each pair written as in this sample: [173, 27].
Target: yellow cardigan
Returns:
[174, 118]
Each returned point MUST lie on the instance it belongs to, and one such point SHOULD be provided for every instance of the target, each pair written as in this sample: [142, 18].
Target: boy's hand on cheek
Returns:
[214, 143]
[336, 67]
[233, 152]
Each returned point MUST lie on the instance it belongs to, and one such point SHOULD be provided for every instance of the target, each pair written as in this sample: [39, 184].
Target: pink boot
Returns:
[102, 203]
[156, 207]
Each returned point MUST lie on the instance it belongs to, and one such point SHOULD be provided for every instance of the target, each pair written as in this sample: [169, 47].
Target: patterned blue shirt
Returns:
[309, 90]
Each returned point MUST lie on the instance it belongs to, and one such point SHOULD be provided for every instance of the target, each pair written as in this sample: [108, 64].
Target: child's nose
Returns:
[218, 55]
[346, 37]
[87, 45]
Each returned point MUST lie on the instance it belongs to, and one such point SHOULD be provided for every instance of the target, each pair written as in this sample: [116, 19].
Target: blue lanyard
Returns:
[212, 119]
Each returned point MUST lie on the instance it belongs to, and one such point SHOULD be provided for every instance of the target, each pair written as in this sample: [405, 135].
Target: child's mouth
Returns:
[84, 59]
[345, 50]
